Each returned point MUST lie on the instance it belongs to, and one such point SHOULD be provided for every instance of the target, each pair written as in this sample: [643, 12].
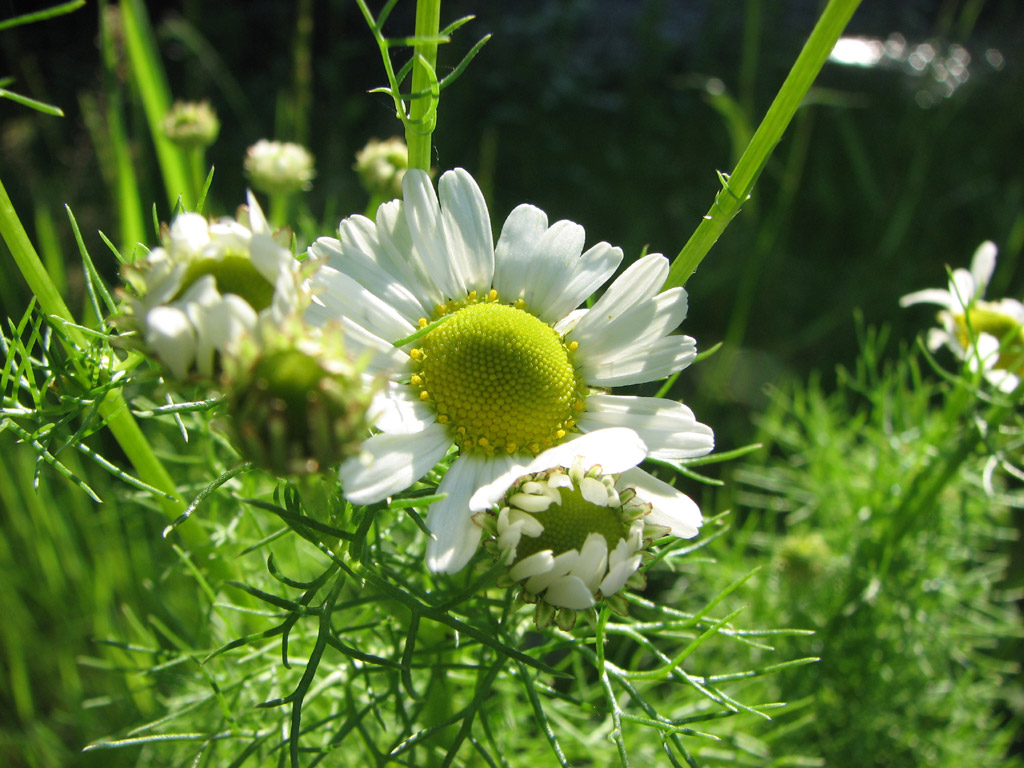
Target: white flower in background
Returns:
[279, 167]
[209, 284]
[988, 335]
[503, 365]
[572, 525]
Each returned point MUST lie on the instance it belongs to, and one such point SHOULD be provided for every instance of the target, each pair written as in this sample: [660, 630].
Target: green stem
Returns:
[130, 214]
[418, 130]
[152, 84]
[739, 184]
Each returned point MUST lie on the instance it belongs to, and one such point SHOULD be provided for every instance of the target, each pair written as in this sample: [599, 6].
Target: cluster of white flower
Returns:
[485, 347]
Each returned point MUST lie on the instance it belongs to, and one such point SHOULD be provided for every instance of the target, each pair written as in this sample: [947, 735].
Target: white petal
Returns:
[189, 233]
[227, 320]
[450, 520]
[172, 338]
[1004, 381]
[614, 449]
[618, 575]
[357, 255]
[668, 428]
[388, 464]
[669, 507]
[560, 566]
[570, 592]
[930, 296]
[554, 260]
[530, 502]
[398, 256]
[269, 258]
[594, 491]
[635, 329]
[342, 296]
[373, 353]
[527, 524]
[519, 236]
[593, 561]
[656, 361]
[423, 215]
[202, 293]
[398, 412]
[963, 289]
[591, 271]
[639, 283]
[534, 565]
[257, 221]
[467, 230]
[983, 264]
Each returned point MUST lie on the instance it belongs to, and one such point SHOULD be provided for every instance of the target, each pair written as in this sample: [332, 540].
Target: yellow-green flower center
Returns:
[567, 525]
[981, 319]
[499, 379]
[234, 274]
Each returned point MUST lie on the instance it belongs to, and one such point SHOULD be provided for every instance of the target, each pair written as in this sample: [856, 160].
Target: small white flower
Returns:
[573, 523]
[209, 284]
[513, 367]
[988, 335]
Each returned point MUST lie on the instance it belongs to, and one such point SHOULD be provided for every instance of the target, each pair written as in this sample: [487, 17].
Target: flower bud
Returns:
[381, 166]
[191, 124]
[278, 167]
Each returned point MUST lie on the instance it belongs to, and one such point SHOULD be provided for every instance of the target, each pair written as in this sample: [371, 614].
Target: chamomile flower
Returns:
[485, 347]
[207, 285]
[988, 335]
[573, 525]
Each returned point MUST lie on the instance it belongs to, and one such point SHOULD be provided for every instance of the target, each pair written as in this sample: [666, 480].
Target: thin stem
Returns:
[418, 129]
[738, 185]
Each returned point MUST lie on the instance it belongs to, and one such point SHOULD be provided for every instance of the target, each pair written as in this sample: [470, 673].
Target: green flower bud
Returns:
[381, 166]
[191, 124]
[278, 167]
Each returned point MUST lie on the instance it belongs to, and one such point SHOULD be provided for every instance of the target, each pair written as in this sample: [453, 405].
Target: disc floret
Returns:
[497, 377]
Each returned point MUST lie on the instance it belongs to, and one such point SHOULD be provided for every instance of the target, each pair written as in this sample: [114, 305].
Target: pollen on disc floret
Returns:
[498, 378]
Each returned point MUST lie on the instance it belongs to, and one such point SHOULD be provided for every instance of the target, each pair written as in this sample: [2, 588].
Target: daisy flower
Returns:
[207, 285]
[988, 335]
[573, 524]
[485, 348]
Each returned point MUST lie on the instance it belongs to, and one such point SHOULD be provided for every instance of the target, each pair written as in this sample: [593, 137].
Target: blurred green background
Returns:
[613, 114]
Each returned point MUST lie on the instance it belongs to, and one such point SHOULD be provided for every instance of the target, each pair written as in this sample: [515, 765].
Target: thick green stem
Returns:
[739, 184]
[420, 126]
